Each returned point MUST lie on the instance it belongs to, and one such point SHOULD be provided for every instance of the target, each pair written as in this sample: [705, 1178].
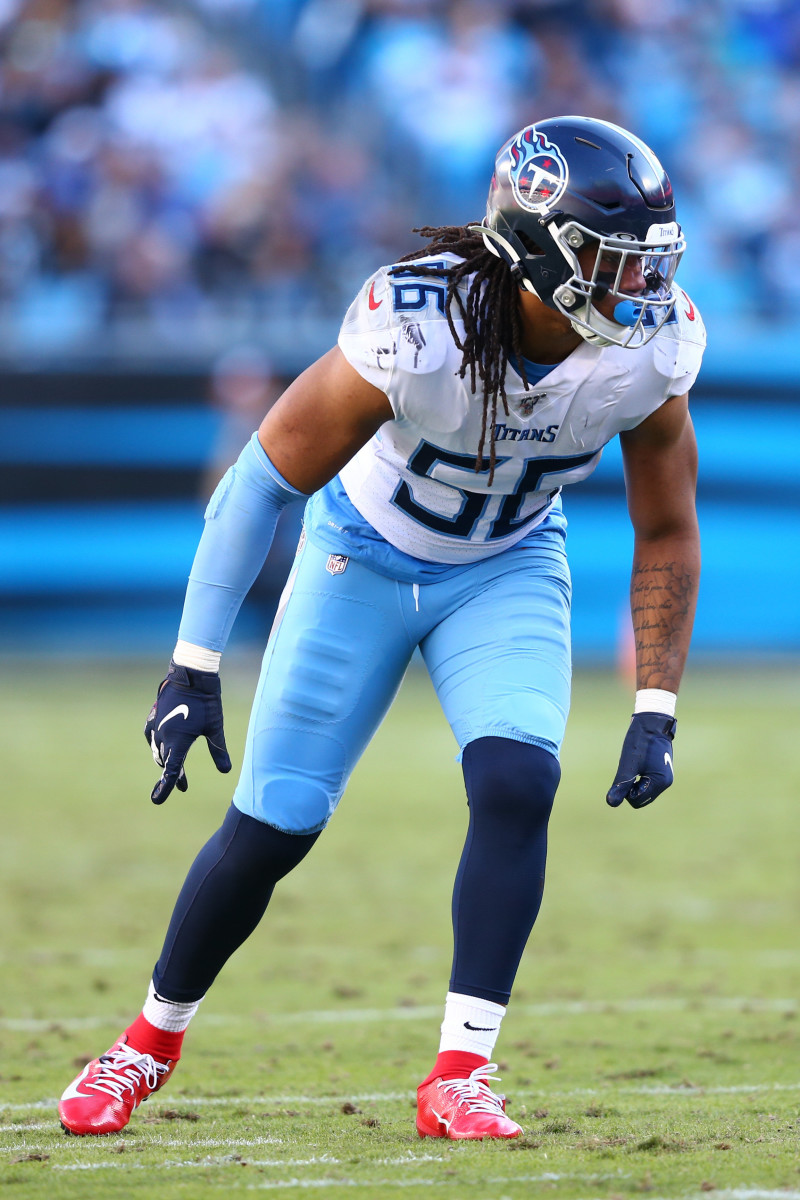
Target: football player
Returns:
[471, 382]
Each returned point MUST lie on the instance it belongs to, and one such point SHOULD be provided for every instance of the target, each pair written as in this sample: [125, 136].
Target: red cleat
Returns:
[463, 1108]
[109, 1088]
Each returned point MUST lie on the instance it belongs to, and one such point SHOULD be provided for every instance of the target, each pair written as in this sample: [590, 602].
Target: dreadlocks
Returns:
[492, 326]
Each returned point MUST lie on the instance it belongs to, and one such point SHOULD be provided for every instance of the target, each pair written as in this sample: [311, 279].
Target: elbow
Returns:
[682, 531]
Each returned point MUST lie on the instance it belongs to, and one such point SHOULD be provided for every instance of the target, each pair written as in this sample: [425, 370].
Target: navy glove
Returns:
[645, 765]
[188, 706]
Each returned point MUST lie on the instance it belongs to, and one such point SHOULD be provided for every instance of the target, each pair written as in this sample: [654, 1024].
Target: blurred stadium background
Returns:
[191, 191]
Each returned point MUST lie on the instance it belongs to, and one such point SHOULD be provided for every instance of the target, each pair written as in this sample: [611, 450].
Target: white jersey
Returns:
[415, 480]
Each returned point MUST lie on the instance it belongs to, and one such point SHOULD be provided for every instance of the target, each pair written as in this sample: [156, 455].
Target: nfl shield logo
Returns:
[337, 563]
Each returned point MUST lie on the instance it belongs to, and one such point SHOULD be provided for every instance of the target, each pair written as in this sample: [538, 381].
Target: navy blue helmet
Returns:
[567, 183]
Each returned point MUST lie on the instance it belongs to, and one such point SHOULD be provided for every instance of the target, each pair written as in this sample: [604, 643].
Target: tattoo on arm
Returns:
[663, 598]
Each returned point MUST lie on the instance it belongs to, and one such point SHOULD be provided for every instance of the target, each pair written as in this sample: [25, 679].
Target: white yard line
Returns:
[327, 1160]
[245, 1101]
[723, 1090]
[491, 1181]
[487, 1181]
[186, 1143]
[429, 1012]
[22, 1128]
[321, 1160]
[408, 1159]
[751, 1193]
[387, 1097]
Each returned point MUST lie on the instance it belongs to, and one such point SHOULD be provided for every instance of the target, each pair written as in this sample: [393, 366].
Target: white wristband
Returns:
[186, 654]
[655, 700]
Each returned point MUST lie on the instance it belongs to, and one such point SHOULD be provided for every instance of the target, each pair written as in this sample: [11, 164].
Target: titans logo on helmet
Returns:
[538, 171]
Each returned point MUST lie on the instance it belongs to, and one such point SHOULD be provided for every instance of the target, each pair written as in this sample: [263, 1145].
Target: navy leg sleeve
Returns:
[500, 880]
[225, 895]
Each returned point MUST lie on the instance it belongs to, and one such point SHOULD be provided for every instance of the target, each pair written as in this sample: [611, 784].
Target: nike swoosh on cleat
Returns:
[668, 763]
[480, 1028]
[72, 1092]
[181, 711]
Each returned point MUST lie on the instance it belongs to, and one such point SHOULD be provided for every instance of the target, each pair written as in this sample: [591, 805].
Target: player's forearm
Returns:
[240, 523]
[664, 583]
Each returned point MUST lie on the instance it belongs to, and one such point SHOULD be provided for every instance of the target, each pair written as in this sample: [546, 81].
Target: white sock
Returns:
[471, 1024]
[171, 1015]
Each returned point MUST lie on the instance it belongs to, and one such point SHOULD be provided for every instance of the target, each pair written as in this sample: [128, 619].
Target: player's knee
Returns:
[293, 804]
[250, 848]
[510, 782]
[292, 777]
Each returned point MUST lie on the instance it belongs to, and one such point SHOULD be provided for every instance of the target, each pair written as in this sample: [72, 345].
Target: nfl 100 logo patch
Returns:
[337, 563]
[528, 403]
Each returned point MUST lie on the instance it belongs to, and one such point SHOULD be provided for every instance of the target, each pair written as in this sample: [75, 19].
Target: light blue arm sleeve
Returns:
[240, 523]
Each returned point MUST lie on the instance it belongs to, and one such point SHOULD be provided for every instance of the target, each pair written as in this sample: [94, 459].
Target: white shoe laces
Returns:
[475, 1092]
[123, 1069]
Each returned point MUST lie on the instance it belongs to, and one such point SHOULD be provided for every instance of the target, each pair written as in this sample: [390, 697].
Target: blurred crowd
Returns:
[179, 173]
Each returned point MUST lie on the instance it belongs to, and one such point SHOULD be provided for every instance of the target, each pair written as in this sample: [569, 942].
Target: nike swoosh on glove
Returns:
[188, 706]
[645, 765]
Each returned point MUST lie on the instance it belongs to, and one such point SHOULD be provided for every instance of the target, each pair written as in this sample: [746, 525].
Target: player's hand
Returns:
[188, 706]
[645, 765]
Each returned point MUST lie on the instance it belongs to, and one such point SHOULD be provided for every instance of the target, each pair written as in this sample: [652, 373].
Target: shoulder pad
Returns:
[394, 324]
[678, 347]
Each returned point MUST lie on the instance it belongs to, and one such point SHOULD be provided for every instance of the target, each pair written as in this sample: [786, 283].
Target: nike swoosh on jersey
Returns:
[181, 711]
[373, 303]
[668, 763]
[690, 310]
[480, 1028]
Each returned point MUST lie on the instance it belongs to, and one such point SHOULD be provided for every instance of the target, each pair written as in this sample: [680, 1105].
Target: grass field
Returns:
[652, 1045]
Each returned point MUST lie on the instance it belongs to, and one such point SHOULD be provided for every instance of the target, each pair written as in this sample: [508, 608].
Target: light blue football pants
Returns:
[494, 637]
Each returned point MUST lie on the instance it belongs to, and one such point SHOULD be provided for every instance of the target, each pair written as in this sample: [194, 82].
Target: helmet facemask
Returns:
[637, 316]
